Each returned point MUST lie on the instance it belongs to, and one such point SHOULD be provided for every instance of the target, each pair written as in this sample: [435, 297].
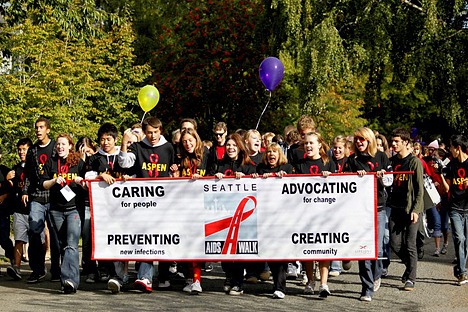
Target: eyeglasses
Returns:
[359, 139]
[219, 134]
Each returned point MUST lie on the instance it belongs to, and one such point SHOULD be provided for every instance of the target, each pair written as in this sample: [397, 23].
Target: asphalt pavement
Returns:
[436, 290]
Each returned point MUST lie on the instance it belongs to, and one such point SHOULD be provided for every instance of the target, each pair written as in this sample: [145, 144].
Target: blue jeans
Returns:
[38, 216]
[335, 266]
[439, 221]
[371, 270]
[386, 239]
[68, 226]
[459, 221]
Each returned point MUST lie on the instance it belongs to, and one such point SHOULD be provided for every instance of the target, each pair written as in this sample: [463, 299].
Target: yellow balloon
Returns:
[148, 97]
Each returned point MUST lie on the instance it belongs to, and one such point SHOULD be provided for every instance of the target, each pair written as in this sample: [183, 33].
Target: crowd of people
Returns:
[46, 192]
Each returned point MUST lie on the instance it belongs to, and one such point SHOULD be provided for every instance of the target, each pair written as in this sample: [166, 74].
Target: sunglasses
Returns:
[219, 134]
[359, 139]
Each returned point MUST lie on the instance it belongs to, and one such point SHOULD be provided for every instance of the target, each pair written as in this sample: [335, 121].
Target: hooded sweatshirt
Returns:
[148, 161]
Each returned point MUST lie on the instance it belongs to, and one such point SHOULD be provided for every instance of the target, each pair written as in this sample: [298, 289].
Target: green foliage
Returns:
[78, 78]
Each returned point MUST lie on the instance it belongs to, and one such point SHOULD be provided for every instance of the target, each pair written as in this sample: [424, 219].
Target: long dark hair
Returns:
[198, 152]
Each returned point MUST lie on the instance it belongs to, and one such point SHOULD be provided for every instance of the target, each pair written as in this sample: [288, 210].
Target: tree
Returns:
[207, 66]
[78, 76]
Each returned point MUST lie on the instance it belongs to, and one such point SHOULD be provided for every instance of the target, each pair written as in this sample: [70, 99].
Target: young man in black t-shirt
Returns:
[150, 158]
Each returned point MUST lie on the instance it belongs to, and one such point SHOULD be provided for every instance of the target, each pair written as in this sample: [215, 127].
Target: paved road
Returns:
[436, 290]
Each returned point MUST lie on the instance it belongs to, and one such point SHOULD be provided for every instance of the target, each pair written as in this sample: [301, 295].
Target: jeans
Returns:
[68, 226]
[38, 216]
[89, 266]
[459, 221]
[403, 235]
[371, 270]
[278, 271]
[386, 239]
[5, 240]
[439, 220]
[335, 266]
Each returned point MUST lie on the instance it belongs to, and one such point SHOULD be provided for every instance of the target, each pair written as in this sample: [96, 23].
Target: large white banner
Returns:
[289, 218]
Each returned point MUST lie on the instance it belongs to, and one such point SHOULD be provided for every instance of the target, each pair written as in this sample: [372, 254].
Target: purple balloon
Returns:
[271, 72]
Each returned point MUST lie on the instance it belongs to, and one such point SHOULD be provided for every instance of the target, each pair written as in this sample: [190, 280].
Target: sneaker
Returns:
[443, 251]
[35, 278]
[377, 284]
[165, 284]
[308, 290]
[278, 294]
[334, 273]
[114, 285]
[227, 286]
[68, 287]
[366, 298]
[188, 286]
[91, 279]
[384, 273]
[436, 252]
[196, 288]
[236, 291]
[104, 277]
[143, 285]
[346, 265]
[14, 272]
[55, 278]
[324, 291]
[409, 286]
[265, 275]
[292, 271]
[208, 267]
[462, 279]
[304, 280]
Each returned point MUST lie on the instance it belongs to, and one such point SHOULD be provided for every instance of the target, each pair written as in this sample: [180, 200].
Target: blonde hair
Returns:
[369, 136]
[276, 148]
[343, 140]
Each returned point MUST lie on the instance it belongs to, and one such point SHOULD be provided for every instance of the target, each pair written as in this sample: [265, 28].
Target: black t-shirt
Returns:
[228, 167]
[457, 172]
[152, 161]
[313, 166]
[36, 158]
[257, 159]
[398, 197]
[201, 169]
[368, 163]
[105, 163]
[263, 168]
[18, 185]
[340, 163]
[58, 167]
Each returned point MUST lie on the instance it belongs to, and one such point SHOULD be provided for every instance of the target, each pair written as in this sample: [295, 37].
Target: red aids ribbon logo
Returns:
[154, 158]
[371, 165]
[397, 180]
[314, 169]
[43, 158]
[232, 224]
[229, 173]
[461, 173]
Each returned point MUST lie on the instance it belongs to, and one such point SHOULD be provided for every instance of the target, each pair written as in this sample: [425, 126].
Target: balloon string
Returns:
[143, 118]
[258, 122]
